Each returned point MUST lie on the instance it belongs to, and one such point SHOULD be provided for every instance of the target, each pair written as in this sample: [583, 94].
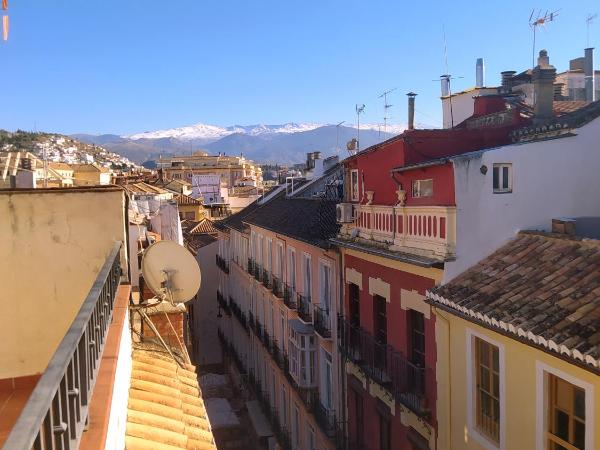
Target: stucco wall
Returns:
[552, 178]
[522, 386]
[208, 349]
[53, 243]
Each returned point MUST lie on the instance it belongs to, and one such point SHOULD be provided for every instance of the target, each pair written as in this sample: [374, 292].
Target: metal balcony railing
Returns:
[304, 308]
[325, 418]
[57, 410]
[250, 266]
[238, 313]
[277, 355]
[386, 366]
[223, 303]
[277, 287]
[266, 279]
[257, 272]
[322, 321]
[222, 264]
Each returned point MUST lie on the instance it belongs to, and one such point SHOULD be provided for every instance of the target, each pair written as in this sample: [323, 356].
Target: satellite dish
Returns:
[351, 145]
[171, 272]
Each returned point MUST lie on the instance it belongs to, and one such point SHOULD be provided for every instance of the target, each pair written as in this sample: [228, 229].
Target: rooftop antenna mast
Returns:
[359, 110]
[386, 107]
[589, 19]
[539, 21]
[446, 78]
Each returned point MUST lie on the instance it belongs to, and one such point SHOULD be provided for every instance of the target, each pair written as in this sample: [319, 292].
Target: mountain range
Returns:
[287, 143]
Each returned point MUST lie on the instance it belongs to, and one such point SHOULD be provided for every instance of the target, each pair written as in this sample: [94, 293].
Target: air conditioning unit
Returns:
[344, 212]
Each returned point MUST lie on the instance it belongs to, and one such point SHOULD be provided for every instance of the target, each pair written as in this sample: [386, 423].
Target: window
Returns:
[302, 358]
[487, 390]
[296, 428]
[307, 274]
[190, 215]
[416, 338]
[358, 407]
[325, 286]
[566, 415]
[502, 178]
[380, 318]
[283, 406]
[280, 260]
[422, 188]
[269, 261]
[326, 380]
[384, 433]
[354, 185]
[310, 435]
[292, 269]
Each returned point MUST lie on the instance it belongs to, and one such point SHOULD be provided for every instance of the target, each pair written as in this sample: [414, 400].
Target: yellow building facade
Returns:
[518, 348]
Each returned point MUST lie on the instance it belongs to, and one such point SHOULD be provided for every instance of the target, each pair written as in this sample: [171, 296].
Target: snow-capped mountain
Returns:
[212, 133]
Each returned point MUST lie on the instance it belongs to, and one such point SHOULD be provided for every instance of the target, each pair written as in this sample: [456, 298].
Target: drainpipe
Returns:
[439, 314]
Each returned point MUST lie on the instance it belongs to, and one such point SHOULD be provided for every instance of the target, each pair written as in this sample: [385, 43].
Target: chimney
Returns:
[507, 80]
[411, 110]
[479, 73]
[445, 85]
[558, 91]
[543, 77]
[588, 70]
[563, 225]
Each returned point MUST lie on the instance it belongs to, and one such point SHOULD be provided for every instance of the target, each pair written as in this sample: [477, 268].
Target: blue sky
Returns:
[107, 66]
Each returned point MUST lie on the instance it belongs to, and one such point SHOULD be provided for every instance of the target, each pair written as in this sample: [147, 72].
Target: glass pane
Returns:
[563, 394]
[496, 390]
[561, 424]
[505, 177]
[496, 177]
[580, 403]
[496, 361]
[485, 379]
[579, 435]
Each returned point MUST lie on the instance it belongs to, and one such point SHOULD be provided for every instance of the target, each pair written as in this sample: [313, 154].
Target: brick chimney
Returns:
[544, 76]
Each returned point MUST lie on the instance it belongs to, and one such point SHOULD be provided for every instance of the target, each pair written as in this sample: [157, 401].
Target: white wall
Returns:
[115, 434]
[208, 350]
[552, 178]
[462, 105]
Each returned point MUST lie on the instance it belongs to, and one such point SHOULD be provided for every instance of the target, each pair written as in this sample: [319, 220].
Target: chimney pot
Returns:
[507, 80]
[588, 70]
[543, 76]
[564, 226]
[479, 73]
[411, 110]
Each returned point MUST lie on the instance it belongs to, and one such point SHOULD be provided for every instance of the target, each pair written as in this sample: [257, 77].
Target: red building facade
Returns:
[398, 230]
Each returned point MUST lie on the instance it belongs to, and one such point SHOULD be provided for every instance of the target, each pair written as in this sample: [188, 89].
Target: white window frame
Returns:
[354, 193]
[307, 275]
[292, 269]
[322, 286]
[416, 188]
[542, 370]
[502, 189]
[326, 396]
[471, 387]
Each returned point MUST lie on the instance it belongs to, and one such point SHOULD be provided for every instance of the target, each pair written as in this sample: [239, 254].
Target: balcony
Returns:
[250, 267]
[277, 355]
[304, 307]
[57, 410]
[277, 287]
[322, 321]
[266, 279]
[257, 272]
[238, 313]
[223, 303]
[386, 366]
[428, 231]
[325, 418]
[222, 264]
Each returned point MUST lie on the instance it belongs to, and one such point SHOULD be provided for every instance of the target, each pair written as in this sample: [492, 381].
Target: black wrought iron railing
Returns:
[257, 272]
[222, 264]
[288, 293]
[250, 267]
[277, 287]
[266, 279]
[238, 313]
[322, 321]
[277, 354]
[385, 365]
[325, 418]
[56, 413]
[223, 303]
[304, 308]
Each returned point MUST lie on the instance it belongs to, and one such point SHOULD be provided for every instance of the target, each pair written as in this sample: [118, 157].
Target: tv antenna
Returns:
[360, 109]
[588, 21]
[386, 107]
[172, 274]
[446, 79]
[539, 21]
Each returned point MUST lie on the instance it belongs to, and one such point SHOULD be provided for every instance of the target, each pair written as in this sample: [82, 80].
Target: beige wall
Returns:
[53, 242]
[521, 379]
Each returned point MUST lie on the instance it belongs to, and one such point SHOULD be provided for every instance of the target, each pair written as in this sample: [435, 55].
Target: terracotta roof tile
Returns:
[165, 410]
[545, 284]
